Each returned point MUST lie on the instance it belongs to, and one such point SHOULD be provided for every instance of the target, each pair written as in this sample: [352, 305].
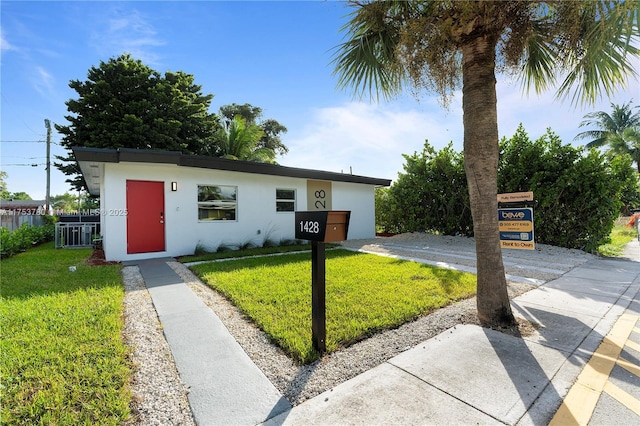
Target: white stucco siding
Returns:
[360, 200]
[114, 204]
[256, 216]
[103, 198]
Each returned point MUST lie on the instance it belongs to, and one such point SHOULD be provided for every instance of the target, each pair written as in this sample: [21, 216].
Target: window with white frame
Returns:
[285, 200]
[217, 202]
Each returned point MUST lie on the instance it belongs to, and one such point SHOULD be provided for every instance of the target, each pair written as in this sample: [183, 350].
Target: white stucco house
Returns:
[164, 203]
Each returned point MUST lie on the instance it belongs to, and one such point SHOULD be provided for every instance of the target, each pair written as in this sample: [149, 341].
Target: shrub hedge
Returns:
[25, 237]
[578, 193]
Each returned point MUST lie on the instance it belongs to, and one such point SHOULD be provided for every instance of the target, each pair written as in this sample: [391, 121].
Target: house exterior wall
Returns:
[256, 216]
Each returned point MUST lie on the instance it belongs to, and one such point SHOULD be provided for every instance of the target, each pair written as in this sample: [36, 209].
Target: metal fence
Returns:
[80, 234]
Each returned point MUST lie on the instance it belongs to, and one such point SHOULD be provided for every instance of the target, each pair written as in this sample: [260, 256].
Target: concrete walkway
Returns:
[466, 375]
[226, 387]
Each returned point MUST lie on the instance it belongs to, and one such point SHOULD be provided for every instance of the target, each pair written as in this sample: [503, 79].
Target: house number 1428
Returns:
[309, 226]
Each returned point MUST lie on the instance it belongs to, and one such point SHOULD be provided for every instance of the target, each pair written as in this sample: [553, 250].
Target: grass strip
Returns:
[62, 360]
[364, 294]
[233, 254]
[620, 236]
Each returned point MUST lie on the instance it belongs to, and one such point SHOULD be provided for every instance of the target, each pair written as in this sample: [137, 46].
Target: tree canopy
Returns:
[608, 125]
[626, 143]
[126, 104]
[578, 193]
[4, 192]
[239, 140]
[271, 129]
[443, 46]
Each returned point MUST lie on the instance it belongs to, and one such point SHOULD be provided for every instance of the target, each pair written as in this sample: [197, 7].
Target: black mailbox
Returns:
[322, 226]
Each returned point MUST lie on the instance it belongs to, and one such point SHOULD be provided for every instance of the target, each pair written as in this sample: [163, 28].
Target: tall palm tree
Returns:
[626, 142]
[238, 140]
[621, 118]
[442, 45]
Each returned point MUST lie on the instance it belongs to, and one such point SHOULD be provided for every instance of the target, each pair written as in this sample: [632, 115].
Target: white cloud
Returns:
[43, 82]
[539, 112]
[367, 139]
[127, 32]
[370, 139]
[4, 44]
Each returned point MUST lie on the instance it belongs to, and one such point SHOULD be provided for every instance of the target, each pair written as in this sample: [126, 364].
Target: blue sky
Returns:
[274, 55]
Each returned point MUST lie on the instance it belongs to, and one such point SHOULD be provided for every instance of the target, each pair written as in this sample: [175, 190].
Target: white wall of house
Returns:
[256, 216]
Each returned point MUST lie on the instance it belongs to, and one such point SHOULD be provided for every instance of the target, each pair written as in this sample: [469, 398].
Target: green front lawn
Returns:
[62, 360]
[365, 293]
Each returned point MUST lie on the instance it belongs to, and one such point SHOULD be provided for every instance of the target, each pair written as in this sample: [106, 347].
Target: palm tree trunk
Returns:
[481, 165]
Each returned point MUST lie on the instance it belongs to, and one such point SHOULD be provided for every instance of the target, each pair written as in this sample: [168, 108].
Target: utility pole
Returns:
[47, 124]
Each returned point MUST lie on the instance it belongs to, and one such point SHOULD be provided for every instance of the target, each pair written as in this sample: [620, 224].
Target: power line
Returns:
[23, 122]
[54, 143]
[24, 158]
[25, 164]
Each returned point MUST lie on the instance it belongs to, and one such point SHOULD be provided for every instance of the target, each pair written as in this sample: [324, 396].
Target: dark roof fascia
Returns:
[21, 204]
[98, 155]
[102, 155]
[149, 156]
[205, 162]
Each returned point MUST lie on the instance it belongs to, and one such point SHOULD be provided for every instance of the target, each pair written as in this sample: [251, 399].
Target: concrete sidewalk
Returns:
[466, 375]
[472, 375]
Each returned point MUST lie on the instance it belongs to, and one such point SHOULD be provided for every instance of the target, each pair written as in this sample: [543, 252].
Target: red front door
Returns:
[145, 216]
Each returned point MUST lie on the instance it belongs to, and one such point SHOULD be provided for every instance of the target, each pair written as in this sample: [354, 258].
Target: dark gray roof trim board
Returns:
[21, 204]
[120, 155]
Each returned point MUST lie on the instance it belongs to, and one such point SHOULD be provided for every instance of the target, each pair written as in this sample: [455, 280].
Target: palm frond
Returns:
[603, 61]
[541, 56]
[597, 143]
[367, 61]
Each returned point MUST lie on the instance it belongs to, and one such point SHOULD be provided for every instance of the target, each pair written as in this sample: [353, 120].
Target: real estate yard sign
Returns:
[516, 228]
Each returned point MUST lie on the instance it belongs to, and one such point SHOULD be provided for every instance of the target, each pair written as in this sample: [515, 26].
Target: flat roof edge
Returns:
[201, 161]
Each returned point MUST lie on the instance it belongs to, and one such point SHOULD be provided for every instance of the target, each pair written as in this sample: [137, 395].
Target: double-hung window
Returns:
[217, 202]
[285, 200]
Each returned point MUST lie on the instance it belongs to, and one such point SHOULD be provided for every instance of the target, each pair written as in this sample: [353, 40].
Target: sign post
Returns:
[320, 227]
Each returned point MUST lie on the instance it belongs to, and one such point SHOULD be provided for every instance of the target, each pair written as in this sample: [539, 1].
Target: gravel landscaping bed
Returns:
[161, 397]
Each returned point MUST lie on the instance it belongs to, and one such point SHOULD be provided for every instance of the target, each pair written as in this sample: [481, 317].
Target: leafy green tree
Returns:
[271, 129]
[384, 210]
[431, 194]
[4, 192]
[447, 45]
[20, 196]
[626, 142]
[125, 104]
[578, 193]
[239, 140]
[64, 202]
[608, 126]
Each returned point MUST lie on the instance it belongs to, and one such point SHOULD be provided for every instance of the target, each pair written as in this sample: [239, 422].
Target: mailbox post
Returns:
[318, 292]
[320, 227]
